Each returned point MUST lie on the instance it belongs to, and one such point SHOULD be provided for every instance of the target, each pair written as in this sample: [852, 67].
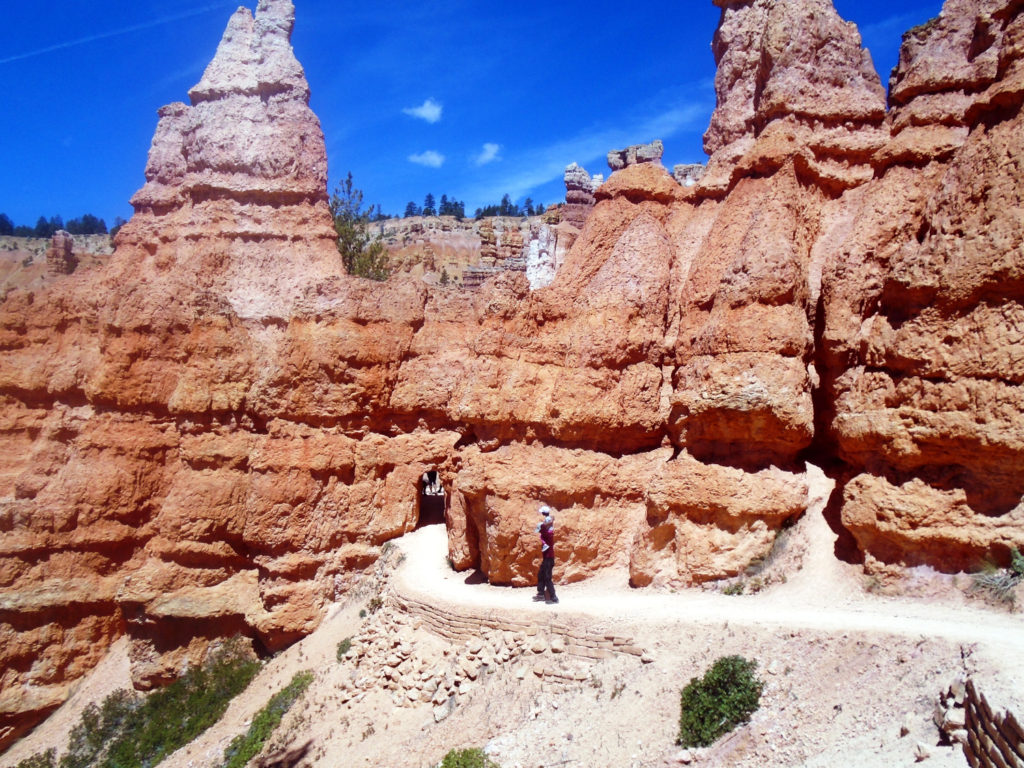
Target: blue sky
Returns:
[453, 97]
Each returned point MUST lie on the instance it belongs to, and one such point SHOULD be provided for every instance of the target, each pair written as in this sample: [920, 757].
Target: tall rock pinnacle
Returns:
[793, 81]
[255, 56]
[243, 167]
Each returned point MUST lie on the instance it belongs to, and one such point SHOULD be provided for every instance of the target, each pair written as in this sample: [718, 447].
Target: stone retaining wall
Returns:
[463, 625]
[995, 738]
[460, 650]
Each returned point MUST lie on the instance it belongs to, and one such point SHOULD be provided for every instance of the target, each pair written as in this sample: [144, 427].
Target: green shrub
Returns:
[130, 731]
[715, 704]
[1017, 562]
[45, 759]
[468, 758]
[100, 729]
[245, 747]
[343, 647]
[363, 253]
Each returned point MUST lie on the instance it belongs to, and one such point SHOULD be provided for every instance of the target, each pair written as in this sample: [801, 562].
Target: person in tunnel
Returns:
[432, 483]
[545, 580]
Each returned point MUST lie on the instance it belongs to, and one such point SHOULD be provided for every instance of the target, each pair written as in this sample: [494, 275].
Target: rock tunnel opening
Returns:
[432, 499]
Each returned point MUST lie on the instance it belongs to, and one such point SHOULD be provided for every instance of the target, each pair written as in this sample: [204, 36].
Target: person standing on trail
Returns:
[545, 583]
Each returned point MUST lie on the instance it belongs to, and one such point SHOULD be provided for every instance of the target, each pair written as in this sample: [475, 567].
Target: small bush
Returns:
[1000, 583]
[1017, 562]
[468, 758]
[47, 759]
[101, 730]
[245, 747]
[715, 704]
[343, 647]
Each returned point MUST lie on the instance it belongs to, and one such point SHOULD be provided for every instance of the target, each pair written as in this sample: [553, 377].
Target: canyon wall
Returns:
[922, 336]
[214, 431]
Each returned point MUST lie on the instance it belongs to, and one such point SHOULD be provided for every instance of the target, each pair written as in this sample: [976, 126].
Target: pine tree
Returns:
[362, 254]
[6, 225]
[87, 225]
[411, 210]
[428, 205]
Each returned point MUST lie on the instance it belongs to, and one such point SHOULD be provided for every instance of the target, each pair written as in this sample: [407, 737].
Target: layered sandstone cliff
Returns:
[924, 303]
[579, 195]
[214, 431]
[128, 450]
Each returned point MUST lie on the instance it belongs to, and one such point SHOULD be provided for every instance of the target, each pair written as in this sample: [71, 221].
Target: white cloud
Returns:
[430, 111]
[488, 155]
[430, 159]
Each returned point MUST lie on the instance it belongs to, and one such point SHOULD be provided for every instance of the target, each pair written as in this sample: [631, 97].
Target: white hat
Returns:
[545, 510]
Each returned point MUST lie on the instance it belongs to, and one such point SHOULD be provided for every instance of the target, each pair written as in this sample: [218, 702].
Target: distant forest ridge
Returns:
[87, 224]
[457, 208]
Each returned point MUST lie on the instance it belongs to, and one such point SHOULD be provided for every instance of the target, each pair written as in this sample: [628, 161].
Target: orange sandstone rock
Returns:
[217, 430]
[924, 355]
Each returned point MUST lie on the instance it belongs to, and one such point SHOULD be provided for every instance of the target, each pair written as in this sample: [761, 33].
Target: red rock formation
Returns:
[215, 431]
[488, 244]
[126, 483]
[793, 83]
[237, 175]
[638, 153]
[688, 174]
[60, 256]
[511, 247]
[579, 196]
[923, 304]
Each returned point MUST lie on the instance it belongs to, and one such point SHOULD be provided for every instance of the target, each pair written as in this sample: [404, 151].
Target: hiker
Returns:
[545, 584]
[432, 483]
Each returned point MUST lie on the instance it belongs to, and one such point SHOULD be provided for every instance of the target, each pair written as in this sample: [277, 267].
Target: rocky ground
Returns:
[851, 677]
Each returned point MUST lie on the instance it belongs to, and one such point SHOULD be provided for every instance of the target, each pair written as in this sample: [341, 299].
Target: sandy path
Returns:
[819, 597]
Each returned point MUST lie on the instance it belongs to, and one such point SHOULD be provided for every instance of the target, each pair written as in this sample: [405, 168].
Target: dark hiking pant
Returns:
[544, 583]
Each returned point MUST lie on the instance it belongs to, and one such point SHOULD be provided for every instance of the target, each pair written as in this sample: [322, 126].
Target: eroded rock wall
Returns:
[216, 430]
[924, 303]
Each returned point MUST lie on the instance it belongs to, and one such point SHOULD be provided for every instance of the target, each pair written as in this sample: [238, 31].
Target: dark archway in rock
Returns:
[432, 499]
